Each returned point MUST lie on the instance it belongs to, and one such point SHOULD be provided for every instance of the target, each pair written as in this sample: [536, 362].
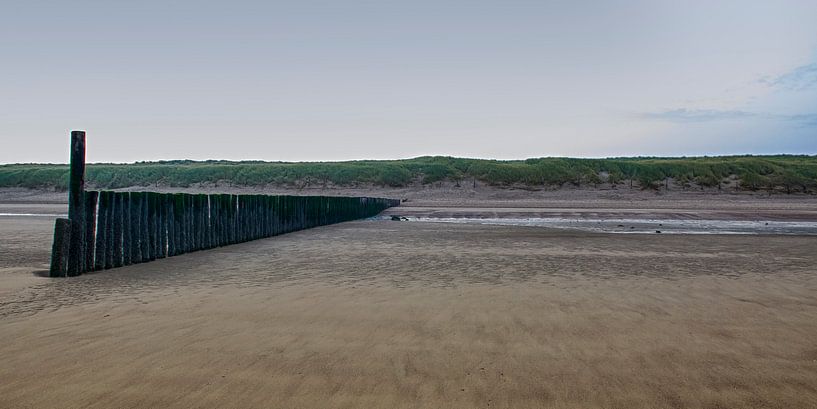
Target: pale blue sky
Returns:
[301, 80]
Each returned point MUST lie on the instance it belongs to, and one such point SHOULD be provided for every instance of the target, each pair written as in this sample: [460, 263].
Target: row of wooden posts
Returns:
[123, 228]
[107, 229]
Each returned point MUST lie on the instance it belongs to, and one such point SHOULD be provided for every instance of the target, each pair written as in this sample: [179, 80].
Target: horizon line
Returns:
[159, 161]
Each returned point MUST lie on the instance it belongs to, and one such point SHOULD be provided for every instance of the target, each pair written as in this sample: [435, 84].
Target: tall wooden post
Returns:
[76, 207]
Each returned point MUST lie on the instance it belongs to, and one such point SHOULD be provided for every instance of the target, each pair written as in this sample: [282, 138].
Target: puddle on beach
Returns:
[620, 226]
[32, 215]
[639, 226]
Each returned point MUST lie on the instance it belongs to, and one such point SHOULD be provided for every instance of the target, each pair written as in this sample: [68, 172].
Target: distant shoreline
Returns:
[786, 174]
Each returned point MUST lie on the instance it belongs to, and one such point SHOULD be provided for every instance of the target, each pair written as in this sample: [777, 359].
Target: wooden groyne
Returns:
[108, 229]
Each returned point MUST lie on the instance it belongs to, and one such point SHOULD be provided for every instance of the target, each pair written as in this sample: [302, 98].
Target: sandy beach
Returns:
[417, 315]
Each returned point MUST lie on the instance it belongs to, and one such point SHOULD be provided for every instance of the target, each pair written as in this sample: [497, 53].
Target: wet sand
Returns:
[392, 315]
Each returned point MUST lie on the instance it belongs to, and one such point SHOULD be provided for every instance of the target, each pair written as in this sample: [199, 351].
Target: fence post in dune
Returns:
[215, 219]
[229, 214]
[171, 224]
[252, 219]
[144, 227]
[90, 228]
[153, 231]
[192, 219]
[181, 223]
[288, 214]
[109, 229]
[196, 222]
[240, 211]
[152, 235]
[119, 211]
[208, 222]
[158, 250]
[144, 224]
[249, 214]
[267, 216]
[244, 211]
[76, 209]
[255, 223]
[245, 218]
[223, 210]
[197, 211]
[204, 212]
[126, 229]
[239, 218]
[162, 223]
[225, 219]
[242, 216]
[60, 248]
[101, 233]
[188, 228]
[280, 214]
[157, 204]
[136, 229]
[215, 201]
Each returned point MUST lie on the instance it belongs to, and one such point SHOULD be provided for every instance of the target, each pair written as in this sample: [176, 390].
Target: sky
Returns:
[339, 80]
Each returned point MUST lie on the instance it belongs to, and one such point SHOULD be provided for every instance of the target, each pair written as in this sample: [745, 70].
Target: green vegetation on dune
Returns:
[785, 173]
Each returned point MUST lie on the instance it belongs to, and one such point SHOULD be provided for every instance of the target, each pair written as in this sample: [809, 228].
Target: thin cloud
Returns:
[683, 115]
[697, 115]
[807, 120]
[801, 78]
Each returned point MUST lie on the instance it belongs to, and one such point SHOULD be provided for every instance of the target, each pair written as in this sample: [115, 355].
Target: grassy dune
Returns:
[784, 173]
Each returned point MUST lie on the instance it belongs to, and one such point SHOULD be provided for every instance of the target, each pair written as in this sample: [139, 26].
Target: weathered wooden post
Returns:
[90, 228]
[136, 228]
[201, 199]
[169, 222]
[60, 248]
[196, 224]
[101, 232]
[162, 209]
[118, 213]
[171, 228]
[110, 251]
[151, 225]
[190, 207]
[76, 209]
[239, 217]
[127, 231]
[208, 232]
[178, 221]
[222, 219]
[144, 227]
[184, 221]
[215, 220]
[228, 222]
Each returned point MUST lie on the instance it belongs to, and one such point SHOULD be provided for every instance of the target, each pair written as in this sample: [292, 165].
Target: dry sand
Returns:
[418, 315]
